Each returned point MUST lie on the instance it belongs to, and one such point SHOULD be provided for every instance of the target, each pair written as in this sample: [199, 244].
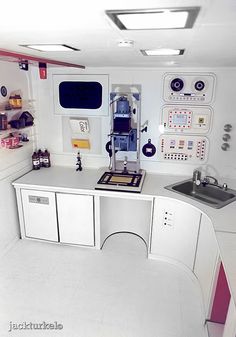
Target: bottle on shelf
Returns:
[18, 101]
[46, 159]
[11, 101]
[35, 161]
[15, 101]
[41, 157]
[3, 121]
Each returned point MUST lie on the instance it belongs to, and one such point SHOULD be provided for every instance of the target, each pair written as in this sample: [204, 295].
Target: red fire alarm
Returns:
[42, 70]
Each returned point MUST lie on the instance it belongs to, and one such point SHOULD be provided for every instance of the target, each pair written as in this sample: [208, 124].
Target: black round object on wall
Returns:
[199, 85]
[149, 149]
[177, 84]
[3, 91]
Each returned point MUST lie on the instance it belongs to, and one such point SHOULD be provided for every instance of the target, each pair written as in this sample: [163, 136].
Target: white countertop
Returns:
[67, 179]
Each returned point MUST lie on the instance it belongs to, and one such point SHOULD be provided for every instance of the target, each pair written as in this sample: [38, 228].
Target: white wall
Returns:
[13, 163]
[220, 163]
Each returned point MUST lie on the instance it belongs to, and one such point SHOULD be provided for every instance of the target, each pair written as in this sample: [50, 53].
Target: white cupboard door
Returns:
[40, 219]
[175, 230]
[75, 219]
[206, 260]
[230, 324]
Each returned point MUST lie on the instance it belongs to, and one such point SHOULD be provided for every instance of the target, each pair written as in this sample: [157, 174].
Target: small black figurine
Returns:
[79, 163]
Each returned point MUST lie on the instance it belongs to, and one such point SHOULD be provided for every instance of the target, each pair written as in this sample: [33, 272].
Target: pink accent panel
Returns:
[221, 299]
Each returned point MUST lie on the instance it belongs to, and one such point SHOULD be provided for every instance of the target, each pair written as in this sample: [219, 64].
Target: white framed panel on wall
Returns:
[193, 88]
[93, 136]
[191, 149]
[81, 95]
[186, 119]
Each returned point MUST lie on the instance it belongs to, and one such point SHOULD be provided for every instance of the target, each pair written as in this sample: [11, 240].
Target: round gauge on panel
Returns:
[3, 90]
[177, 84]
[199, 85]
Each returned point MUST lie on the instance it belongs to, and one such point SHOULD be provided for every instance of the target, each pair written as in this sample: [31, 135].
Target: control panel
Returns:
[192, 149]
[168, 218]
[186, 119]
[191, 88]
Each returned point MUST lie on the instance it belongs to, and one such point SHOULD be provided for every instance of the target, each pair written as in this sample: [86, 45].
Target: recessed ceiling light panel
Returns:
[169, 18]
[162, 52]
[50, 47]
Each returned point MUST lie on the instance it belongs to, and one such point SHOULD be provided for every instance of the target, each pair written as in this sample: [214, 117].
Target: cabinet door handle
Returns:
[34, 199]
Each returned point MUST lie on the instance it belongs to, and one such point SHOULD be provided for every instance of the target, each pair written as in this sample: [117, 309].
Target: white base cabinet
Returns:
[207, 256]
[39, 212]
[175, 230]
[58, 217]
[230, 324]
[75, 218]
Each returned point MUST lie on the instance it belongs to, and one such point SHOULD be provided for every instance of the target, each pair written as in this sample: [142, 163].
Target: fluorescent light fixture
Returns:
[50, 47]
[161, 20]
[162, 52]
[169, 18]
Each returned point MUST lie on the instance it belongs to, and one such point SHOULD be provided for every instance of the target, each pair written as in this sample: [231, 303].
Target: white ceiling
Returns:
[84, 25]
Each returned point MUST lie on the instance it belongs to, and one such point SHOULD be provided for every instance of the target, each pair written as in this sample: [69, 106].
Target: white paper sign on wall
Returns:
[79, 125]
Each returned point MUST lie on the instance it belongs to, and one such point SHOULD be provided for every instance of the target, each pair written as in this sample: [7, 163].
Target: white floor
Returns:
[116, 292]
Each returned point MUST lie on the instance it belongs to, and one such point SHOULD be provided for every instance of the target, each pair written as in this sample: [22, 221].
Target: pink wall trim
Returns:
[221, 299]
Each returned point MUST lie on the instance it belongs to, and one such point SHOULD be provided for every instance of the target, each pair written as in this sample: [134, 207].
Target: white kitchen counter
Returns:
[68, 180]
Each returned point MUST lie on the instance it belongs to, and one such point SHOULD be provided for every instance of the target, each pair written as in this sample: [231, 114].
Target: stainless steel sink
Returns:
[210, 195]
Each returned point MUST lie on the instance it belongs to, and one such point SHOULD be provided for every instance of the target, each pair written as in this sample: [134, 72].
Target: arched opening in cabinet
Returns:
[126, 242]
[122, 214]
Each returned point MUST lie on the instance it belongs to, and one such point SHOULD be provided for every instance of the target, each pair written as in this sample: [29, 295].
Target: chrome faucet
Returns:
[197, 177]
[207, 180]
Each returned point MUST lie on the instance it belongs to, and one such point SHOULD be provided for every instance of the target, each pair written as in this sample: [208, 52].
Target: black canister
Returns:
[3, 121]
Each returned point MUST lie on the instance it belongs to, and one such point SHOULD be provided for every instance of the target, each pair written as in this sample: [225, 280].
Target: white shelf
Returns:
[4, 133]
[26, 105]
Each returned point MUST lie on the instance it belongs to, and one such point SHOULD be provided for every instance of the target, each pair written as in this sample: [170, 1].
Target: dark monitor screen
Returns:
[80, 95]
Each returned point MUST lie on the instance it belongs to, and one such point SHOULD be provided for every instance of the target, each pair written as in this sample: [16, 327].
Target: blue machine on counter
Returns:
[124, 145]
[125, 137]
[125, 128]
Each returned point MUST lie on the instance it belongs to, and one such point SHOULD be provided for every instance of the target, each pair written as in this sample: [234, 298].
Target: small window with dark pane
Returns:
[80, 95]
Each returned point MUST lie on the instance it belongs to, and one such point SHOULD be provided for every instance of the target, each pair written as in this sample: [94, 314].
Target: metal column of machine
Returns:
[125, 132]
[124, 145]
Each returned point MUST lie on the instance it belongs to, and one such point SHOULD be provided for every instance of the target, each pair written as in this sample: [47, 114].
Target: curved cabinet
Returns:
[175, 230]
[207, 255]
